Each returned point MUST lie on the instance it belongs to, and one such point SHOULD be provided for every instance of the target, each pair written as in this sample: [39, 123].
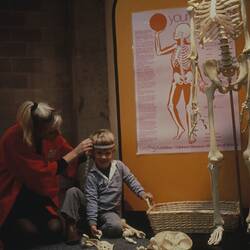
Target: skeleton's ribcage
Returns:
[180, 59]
[211, 19]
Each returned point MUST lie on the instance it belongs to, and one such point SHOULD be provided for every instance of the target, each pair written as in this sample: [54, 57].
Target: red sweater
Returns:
[20, 164]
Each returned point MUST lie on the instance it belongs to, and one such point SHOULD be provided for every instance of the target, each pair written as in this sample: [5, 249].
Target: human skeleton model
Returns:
[182, 75]
[211, 20]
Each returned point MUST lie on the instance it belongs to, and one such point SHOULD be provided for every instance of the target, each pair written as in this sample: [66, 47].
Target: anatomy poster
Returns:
[163, 77]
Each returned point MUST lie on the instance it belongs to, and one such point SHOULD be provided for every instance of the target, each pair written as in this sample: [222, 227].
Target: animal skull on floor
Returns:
[169, 240]
[211, 20]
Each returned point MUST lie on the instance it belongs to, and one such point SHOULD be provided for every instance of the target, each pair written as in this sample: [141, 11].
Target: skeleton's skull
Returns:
[182, 31]
[170, 240]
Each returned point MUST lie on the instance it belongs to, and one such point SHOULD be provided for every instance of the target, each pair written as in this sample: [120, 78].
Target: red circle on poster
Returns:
[158, 22]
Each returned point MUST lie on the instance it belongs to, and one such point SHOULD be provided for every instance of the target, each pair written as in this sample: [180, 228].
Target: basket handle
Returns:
[148, 203]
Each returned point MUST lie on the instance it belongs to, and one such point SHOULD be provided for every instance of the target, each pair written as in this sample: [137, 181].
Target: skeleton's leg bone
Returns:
[216, 235]
[214, 174]
[214, 154]
[173, 110]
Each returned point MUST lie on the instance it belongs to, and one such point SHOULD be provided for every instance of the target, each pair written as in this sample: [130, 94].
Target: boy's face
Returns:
[103, 157]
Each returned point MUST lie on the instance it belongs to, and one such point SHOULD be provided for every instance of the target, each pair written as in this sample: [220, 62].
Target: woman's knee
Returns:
[55, 226]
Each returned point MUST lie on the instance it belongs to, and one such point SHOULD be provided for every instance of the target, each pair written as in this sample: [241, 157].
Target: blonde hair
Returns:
[31, 113]
[102, 137]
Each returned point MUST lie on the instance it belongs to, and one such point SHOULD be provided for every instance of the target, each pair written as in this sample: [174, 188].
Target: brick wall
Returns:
[49, 51]
[89, 66]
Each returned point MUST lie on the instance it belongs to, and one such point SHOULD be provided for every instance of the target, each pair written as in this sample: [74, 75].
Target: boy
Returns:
[103, 188]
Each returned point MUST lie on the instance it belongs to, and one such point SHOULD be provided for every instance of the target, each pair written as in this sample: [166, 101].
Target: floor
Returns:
[230, 242]
[237, 240]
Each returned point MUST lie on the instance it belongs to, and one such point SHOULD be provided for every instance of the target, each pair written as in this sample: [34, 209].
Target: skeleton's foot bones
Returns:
[216, 236]
[180, 131]
[192, 139]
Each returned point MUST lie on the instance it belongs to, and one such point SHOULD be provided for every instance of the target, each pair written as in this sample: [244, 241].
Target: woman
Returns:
[32, 155]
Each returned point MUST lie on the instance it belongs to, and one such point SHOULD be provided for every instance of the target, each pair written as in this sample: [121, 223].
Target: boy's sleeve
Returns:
[131, 180]
[91, 199]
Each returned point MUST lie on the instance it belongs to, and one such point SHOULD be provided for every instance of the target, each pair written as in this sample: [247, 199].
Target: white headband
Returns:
[95, 146]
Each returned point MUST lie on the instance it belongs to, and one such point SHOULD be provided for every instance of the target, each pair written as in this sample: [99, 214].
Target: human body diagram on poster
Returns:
[182, 75]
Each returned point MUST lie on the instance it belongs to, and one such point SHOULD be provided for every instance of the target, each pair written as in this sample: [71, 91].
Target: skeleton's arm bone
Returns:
[193, 54]
[194, 64]
[159, 50]
[245, 25]
[246, 153]
[248, 83]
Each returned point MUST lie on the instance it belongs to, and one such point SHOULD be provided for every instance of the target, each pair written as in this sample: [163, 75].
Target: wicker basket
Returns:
[192, 216]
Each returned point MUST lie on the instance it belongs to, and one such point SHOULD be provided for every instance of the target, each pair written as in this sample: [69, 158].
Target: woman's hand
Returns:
[84, 147]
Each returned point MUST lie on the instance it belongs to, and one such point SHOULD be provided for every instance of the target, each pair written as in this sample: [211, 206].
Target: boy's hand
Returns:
[148, 196]
[95, 232]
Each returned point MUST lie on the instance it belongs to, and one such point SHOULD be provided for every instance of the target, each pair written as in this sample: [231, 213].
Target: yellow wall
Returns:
[169, 177]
